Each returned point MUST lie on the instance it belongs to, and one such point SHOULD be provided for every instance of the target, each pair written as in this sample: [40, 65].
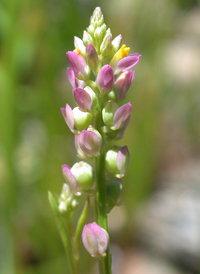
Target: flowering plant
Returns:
[100, 78]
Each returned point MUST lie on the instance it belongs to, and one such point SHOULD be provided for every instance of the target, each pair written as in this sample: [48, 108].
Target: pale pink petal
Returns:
[128, 62]
[122, 160]
[68, 116]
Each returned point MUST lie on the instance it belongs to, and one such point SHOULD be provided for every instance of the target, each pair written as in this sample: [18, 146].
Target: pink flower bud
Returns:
[115, 117]
[83, 99]
[127, 62]
[79, 177]
[78, 65]
[90, 142]
[123, 83]
[105, 79]
[117, 160]
[73, 80]
[92, 57]
[95, 240]
[121, 115]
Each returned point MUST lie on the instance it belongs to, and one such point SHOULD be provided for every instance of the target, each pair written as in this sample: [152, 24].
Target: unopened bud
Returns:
[123, 83]
[99, 34]
[116, 42]
[87, 38]
[97, 17]
[95, 240]
[81, 119]
[79, 177]
[106, 45]
[117, 160]
[115, 46]
[115, 117]
[90, 142]
[76, 119]
[66, 200]
[83, 99]
[92, 57]
[105, 79]
[112, 95]
[91, 29]
[78, 64]
[108, 113]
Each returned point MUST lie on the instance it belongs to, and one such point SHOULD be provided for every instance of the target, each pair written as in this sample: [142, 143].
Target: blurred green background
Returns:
[34, 140]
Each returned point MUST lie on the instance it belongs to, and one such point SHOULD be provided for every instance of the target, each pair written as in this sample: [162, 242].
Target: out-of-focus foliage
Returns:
[35, 141]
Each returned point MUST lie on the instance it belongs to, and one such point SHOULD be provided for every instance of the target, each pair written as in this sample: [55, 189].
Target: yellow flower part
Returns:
[121, 53]
[77, 51]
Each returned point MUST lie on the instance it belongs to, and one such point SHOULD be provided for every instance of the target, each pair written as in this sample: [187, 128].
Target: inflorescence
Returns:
[100, 77]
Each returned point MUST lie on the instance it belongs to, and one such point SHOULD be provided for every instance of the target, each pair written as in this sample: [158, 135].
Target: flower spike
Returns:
[96, 121]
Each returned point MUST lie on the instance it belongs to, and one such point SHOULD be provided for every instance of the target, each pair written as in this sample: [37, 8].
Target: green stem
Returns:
[64, 233]
[90, 83]
[69, 225]
[100, 200]
[79, 227]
